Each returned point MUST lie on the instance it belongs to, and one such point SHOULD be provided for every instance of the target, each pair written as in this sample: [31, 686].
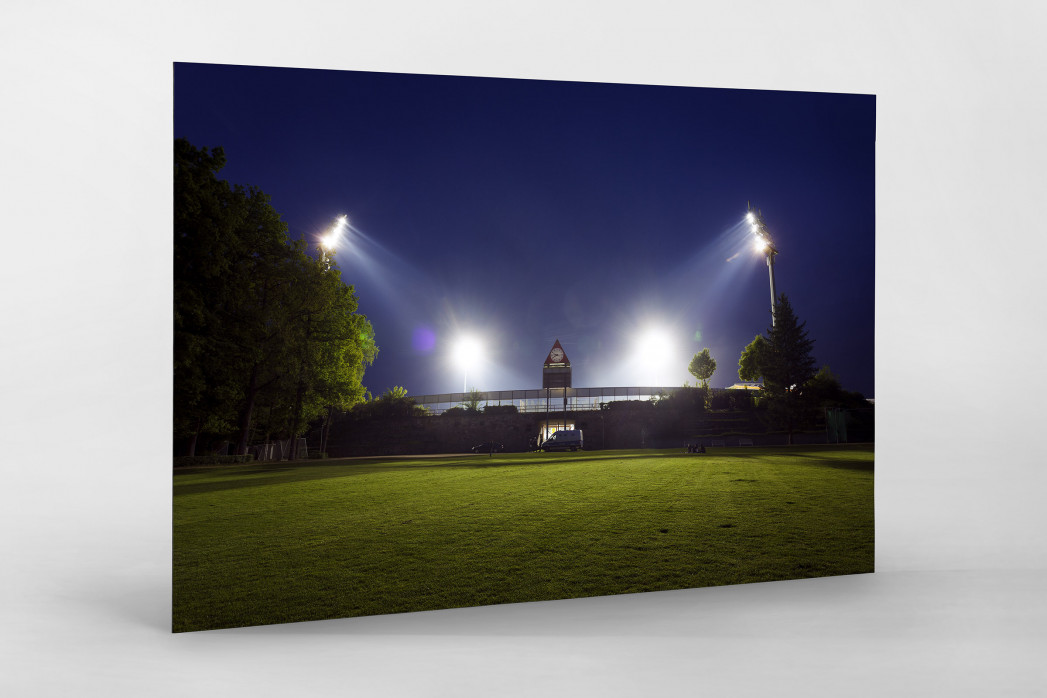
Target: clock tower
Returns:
[556, 372]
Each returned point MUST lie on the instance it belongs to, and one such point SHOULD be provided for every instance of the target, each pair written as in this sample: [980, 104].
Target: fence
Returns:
[539, 400]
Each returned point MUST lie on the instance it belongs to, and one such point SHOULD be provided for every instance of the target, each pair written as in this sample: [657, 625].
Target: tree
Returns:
[393, 403]
[258, 321]
[749, 363]
[397, 392]
[261, 314]
[205, 387]
[332, 343]
[825, 390]
[787, 366]
[232, 275]
[702, 367]
[472, 402]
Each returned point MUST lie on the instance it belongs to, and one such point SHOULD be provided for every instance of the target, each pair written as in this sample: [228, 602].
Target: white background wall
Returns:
[85, 294]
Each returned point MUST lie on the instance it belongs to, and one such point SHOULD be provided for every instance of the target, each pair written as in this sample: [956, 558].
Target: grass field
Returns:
[272, 543]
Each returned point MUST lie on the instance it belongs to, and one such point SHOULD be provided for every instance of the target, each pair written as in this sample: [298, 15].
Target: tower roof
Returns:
[557, 356]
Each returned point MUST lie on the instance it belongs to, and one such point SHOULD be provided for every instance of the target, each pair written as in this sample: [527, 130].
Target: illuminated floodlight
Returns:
[654, 346]
[331, 240]
[466, 352]
[656, 355]
[764, 245]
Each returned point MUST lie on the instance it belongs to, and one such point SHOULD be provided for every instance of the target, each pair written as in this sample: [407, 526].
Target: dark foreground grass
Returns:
[258, 544]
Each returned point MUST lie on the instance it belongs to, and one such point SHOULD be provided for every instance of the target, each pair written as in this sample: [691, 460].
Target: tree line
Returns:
[782, 359]
[267, 337]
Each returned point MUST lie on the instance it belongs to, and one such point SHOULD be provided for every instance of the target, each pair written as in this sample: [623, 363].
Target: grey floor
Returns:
[891, 634]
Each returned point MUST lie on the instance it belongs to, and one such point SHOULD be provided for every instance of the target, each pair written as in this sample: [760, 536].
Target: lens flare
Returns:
[423, 340]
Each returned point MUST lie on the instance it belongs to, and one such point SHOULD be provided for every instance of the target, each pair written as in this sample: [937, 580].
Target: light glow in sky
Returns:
[656, 357]
[467, 353]
[541, 210]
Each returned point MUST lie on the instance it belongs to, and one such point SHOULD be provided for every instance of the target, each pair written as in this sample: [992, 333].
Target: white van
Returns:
[564, 440]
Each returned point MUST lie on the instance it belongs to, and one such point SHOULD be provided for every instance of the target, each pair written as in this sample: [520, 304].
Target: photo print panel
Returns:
[455, 341]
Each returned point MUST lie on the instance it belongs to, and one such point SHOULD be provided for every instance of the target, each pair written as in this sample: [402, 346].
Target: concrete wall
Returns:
[607, 429]
[441, 434]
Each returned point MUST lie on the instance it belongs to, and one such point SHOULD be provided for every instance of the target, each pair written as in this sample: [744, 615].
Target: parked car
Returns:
[564, 440]
[488, 447]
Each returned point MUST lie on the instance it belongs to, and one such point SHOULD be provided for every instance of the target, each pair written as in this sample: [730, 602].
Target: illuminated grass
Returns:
[275, 543]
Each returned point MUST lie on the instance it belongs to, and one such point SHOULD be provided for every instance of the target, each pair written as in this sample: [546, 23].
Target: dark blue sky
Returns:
[522, 211]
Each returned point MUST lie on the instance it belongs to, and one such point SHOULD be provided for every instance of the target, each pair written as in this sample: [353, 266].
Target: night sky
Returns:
[524, 211]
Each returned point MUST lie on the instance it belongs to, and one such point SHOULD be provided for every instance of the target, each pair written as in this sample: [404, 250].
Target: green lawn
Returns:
[273, 543]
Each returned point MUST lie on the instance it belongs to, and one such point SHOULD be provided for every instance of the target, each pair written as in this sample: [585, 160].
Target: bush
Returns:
[387, 408]
[684, 400]
[627, 406]
[459, 411]
[500, 409]
[721, 401]
[187, 461]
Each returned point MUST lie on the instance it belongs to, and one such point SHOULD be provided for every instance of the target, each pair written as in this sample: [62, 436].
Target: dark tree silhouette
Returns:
[749, 362]
[702, 367]
[786, 365]
[258, 322]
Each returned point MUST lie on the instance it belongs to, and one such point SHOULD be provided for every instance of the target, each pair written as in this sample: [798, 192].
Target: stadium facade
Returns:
[540, 400]
[555, 395]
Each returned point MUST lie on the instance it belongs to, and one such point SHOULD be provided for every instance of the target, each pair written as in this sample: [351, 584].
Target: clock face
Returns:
[556, 355]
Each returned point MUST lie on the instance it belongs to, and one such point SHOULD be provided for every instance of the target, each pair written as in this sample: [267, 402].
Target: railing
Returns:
[542, 400]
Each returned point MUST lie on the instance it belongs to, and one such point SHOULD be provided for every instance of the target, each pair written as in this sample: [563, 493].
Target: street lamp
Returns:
[764, 244]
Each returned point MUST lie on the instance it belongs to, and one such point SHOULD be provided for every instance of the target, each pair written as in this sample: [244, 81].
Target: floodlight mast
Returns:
[760, 231]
